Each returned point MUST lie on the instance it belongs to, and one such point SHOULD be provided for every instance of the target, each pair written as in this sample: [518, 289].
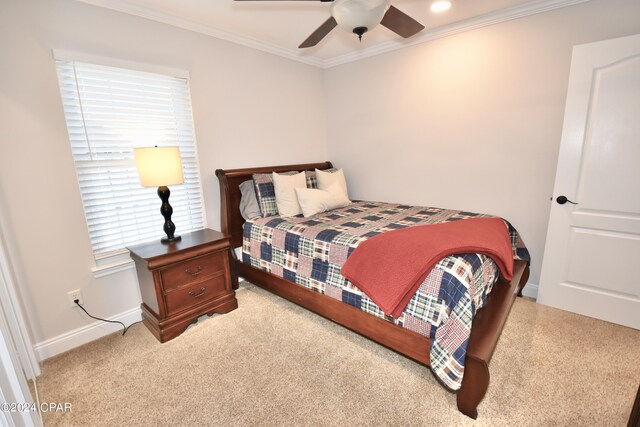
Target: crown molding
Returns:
[507, 14]
[487, 19]
[127, 7]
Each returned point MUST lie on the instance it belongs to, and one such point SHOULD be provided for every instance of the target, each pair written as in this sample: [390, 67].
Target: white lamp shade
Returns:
[159, 166]
[350, 14]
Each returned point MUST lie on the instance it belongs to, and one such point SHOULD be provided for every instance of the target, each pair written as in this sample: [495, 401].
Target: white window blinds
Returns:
[109, 111]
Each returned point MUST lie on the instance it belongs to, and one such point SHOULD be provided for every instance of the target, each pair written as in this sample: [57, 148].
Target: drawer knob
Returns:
[194, 273]
[193, 294]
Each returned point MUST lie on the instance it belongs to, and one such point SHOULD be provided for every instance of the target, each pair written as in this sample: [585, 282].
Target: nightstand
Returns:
[183, 280]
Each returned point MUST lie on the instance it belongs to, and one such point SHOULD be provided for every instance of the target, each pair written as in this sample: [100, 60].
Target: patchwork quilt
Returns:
[311, 251]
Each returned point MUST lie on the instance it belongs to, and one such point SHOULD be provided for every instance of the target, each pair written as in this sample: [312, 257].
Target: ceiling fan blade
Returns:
[319, 34]
[401, 23]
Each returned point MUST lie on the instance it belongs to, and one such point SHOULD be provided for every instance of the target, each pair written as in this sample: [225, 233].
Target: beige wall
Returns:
[472, 121]
[250, 108]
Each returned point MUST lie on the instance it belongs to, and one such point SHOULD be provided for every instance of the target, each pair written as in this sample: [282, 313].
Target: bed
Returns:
[486, 327]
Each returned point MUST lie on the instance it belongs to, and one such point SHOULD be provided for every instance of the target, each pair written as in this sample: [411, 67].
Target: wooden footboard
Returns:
[485, 332]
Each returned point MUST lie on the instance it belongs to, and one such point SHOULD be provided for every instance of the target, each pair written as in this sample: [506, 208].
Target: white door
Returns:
[591, 260]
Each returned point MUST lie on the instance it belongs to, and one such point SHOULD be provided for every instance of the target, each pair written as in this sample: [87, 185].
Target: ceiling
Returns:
[280, 26]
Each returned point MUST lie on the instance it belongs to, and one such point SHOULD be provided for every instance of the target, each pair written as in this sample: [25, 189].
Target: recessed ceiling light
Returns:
[440, 6]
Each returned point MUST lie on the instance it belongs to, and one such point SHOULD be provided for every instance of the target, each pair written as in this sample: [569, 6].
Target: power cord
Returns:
[126, 328]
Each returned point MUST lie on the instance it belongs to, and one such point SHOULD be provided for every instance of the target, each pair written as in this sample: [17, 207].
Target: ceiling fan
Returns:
[360, 16]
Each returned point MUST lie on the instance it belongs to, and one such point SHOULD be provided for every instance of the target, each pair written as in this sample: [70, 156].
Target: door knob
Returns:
[563, 199]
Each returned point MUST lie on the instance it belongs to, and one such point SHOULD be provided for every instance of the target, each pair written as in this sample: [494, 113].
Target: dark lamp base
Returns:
[166, 210]
[170, 239]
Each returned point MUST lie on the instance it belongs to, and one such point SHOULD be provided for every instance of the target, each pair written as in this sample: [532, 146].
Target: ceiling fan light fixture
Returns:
[359, 16]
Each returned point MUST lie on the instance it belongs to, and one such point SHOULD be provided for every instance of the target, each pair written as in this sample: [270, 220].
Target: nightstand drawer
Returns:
[189, 296]
[192, 270]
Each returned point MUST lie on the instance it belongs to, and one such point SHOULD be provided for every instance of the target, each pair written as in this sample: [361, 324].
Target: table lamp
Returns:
[160, 167]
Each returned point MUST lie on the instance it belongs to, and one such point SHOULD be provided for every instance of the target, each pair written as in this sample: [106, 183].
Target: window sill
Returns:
[114, 263]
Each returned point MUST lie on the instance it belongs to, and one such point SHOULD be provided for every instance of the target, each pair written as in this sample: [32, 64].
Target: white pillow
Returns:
[313, 201]
[285, 189]
[325, 179]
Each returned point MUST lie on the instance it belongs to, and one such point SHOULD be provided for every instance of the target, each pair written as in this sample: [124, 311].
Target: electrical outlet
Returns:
[75, 295]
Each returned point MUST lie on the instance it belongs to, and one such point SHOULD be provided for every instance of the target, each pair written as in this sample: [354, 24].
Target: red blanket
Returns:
[390, 267]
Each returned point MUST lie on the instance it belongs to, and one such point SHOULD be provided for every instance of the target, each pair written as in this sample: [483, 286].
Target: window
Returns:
[109, 111]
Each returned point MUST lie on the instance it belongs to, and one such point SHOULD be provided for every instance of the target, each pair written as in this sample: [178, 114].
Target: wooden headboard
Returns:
[230, 179]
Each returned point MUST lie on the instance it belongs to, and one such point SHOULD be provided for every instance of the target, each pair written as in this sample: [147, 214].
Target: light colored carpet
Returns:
[272, 363]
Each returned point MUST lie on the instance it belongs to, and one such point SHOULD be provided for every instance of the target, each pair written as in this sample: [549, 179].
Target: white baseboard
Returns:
[530, 290]
[84, 335]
